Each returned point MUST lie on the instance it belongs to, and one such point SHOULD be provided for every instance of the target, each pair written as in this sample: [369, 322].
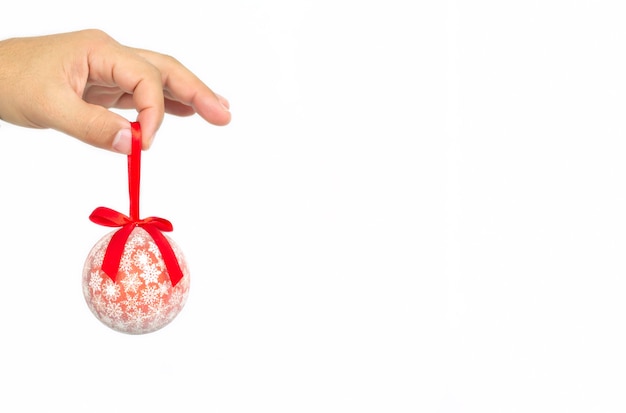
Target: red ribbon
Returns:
[153, 225]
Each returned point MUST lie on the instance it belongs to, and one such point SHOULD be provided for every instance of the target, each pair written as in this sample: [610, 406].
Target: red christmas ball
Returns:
[141, 299]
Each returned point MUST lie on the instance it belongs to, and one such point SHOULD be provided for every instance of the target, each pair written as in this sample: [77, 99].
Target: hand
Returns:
[67, 81]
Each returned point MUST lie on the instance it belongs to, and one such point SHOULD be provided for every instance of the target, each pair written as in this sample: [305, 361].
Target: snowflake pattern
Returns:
[95, 281]
[111, 290]
[150, 273]
[131, 282]
[142, 299]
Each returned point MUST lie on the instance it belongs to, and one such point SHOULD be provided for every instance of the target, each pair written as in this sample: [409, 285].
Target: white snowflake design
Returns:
[131, 282]
[142, 259]
[95, 281]
[150, 273]
[149, 295]
[110, 290]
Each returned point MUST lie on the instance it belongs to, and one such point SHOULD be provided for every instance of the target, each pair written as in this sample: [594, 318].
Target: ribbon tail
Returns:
[169, 257]
[115, 250]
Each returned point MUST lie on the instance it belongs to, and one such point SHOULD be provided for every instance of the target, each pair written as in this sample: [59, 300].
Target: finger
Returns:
[144, 82]
[92, 124]
[183, 86]
[120, 67]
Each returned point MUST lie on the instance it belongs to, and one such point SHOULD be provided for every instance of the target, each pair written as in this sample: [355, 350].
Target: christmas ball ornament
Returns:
[135, 279]
[140, 298]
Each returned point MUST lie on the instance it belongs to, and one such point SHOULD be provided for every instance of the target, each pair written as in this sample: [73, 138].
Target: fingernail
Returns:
[122, 141]
[223, 101]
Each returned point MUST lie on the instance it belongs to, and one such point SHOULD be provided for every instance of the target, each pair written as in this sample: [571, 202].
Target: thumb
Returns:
[92, 124]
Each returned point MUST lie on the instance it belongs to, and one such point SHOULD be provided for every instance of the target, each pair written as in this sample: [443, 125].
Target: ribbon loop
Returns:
[152, 225]
[108, 217]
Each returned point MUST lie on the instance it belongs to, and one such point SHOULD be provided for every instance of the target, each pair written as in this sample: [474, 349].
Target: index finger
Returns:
[136, 76]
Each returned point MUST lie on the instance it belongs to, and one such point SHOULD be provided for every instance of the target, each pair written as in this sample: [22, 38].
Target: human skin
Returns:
[69, 81]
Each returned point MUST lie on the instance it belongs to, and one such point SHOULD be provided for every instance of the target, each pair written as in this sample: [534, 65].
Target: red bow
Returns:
[153, 225]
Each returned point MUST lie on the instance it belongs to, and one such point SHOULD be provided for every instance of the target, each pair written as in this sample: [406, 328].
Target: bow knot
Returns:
[110, 218]
[152, 225]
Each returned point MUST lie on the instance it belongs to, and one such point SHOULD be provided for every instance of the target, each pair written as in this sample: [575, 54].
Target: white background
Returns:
[415, 209]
